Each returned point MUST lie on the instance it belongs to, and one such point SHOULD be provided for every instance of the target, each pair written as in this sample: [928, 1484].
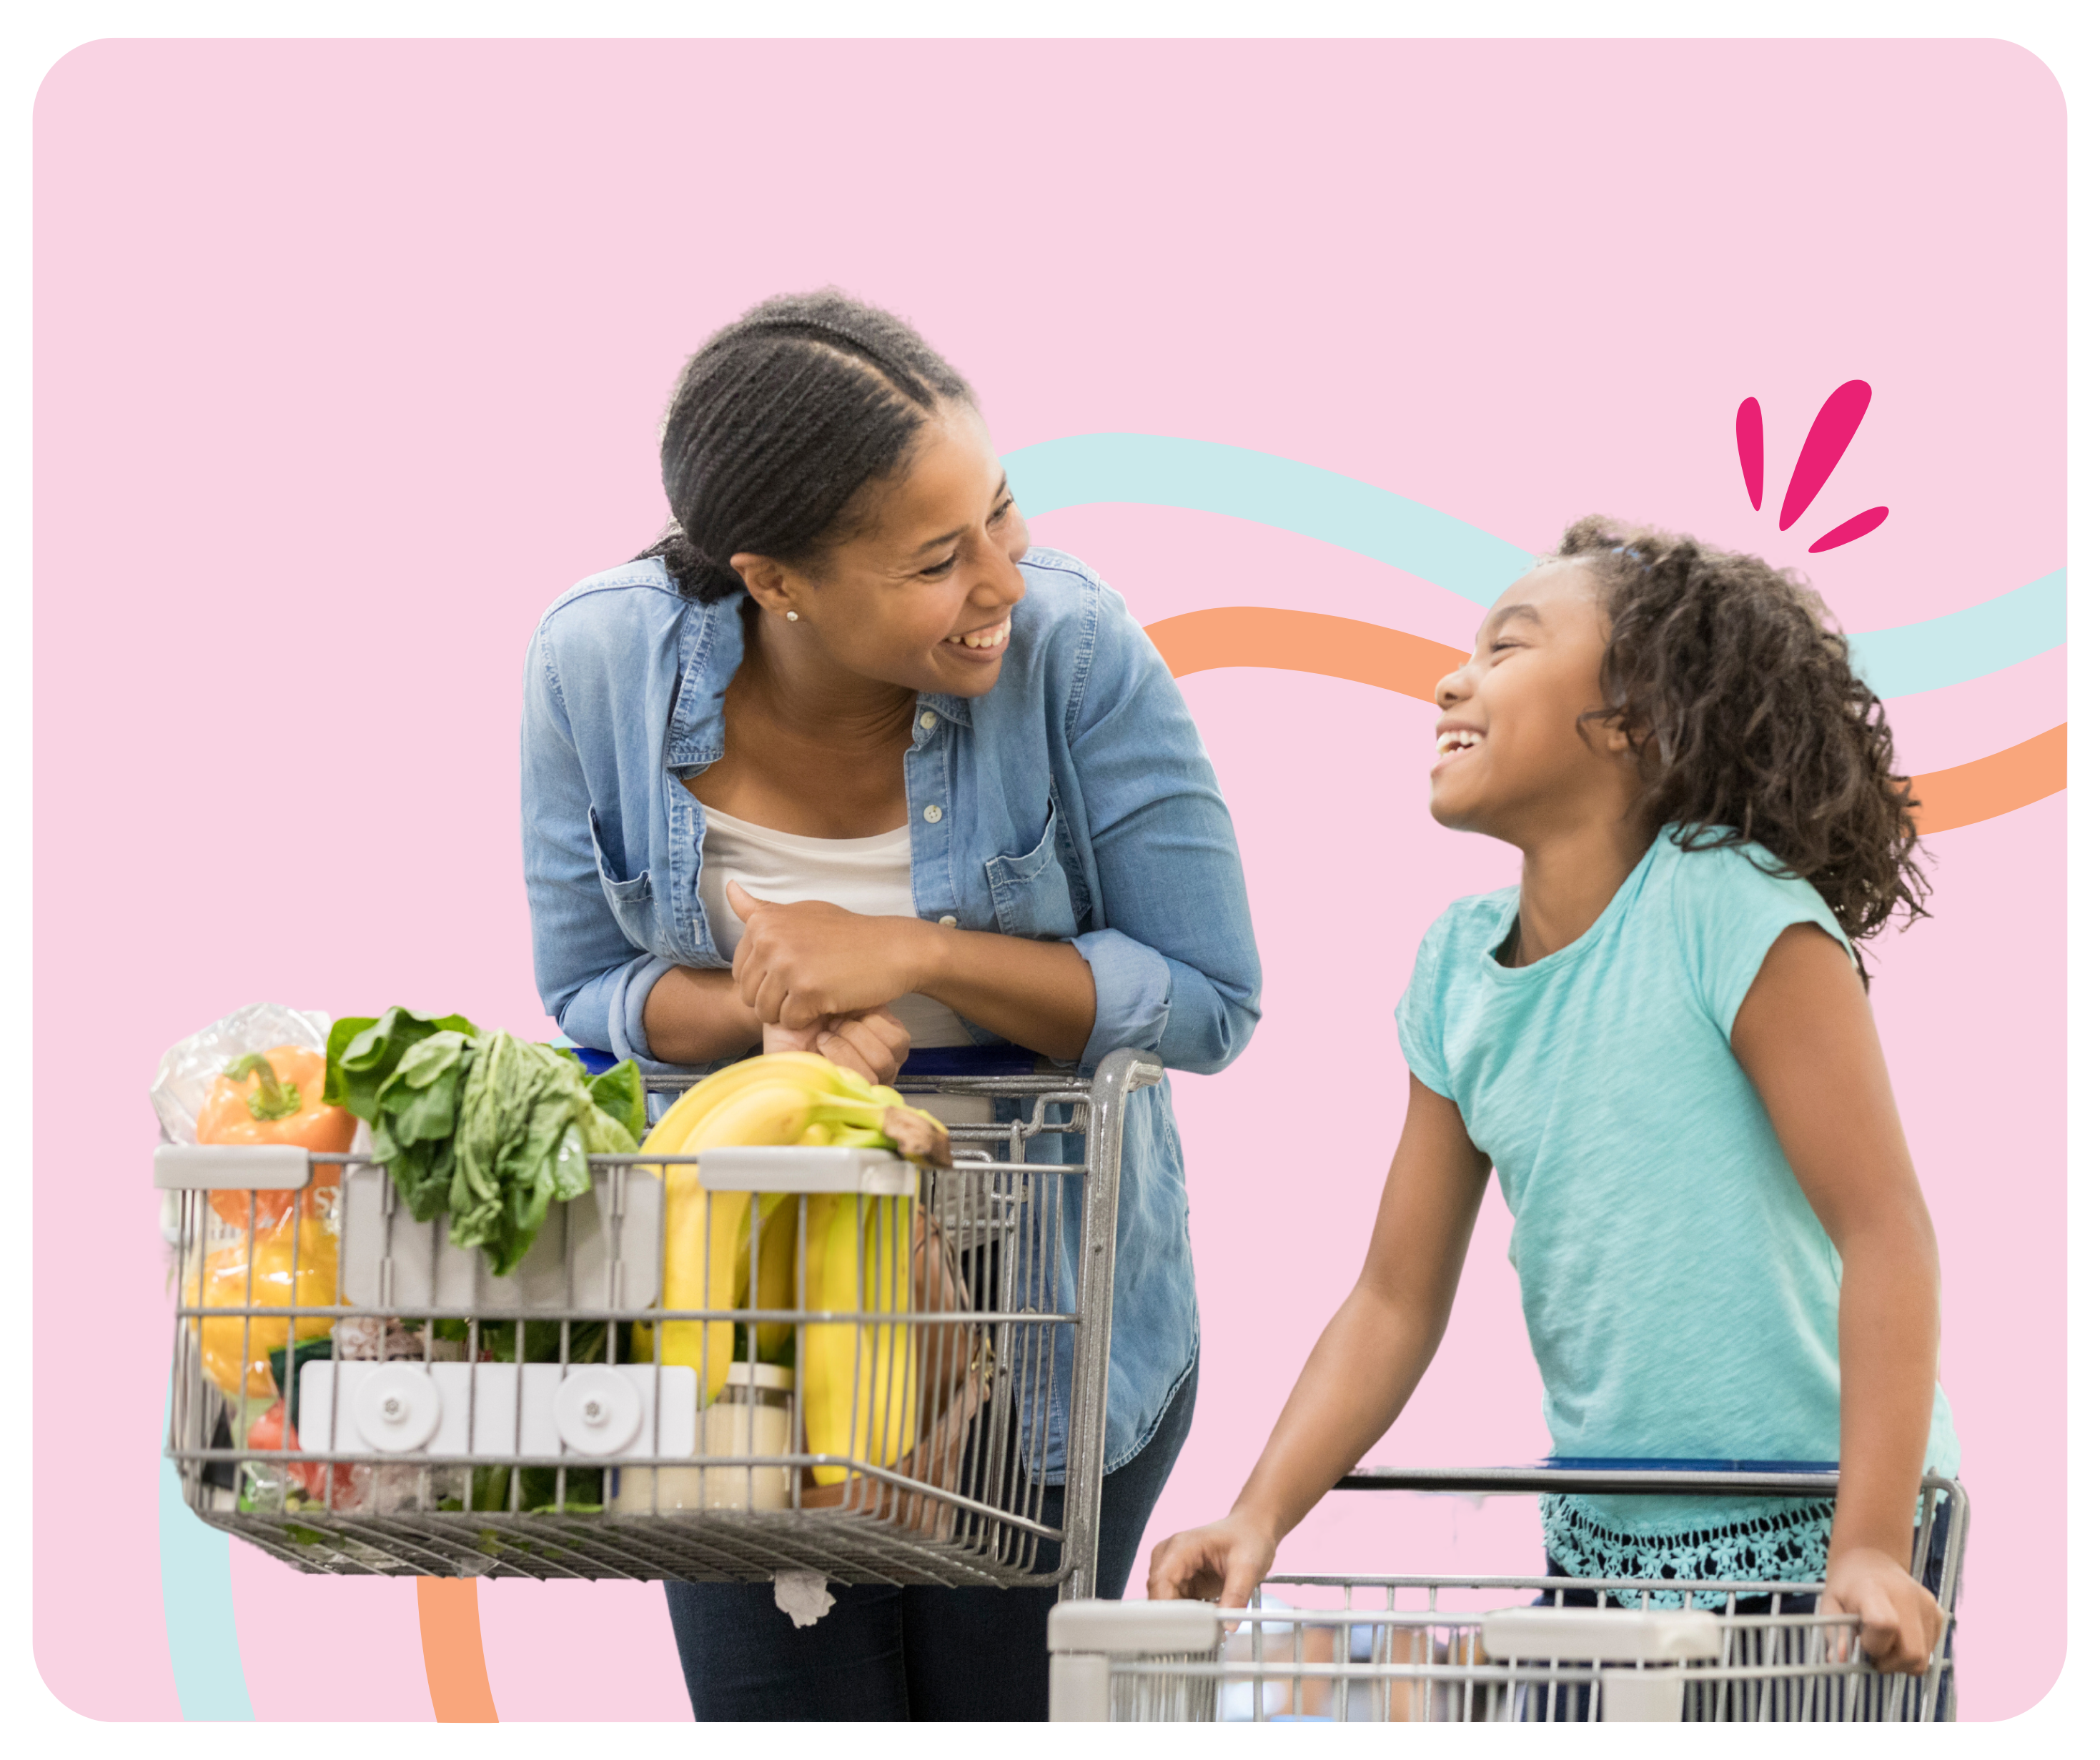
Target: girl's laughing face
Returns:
[1514, 757]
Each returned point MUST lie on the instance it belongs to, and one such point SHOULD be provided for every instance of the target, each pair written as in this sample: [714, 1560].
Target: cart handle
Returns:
[1806, 1478]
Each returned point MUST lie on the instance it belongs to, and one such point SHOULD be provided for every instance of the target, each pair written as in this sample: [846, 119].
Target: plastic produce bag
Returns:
[189, 1069]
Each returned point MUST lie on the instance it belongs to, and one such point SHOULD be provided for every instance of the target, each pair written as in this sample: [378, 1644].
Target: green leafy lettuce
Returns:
[487, 1128]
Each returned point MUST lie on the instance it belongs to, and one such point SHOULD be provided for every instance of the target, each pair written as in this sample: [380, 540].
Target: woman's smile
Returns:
[984, 645]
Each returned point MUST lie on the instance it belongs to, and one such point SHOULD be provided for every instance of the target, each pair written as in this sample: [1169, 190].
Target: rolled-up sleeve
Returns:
[1174, 962]
[591, 979]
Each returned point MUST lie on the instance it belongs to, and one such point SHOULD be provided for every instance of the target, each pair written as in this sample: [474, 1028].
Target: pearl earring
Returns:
[793, 617]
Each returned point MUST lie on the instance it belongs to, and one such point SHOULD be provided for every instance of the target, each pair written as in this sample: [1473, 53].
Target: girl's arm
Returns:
[1806, 1039]
[1364, 1367]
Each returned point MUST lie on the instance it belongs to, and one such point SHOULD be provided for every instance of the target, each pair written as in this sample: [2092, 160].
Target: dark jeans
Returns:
[884, 1654]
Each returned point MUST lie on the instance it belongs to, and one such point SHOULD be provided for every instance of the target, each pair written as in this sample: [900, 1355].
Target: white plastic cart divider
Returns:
[345, 1406]
[389, 1260]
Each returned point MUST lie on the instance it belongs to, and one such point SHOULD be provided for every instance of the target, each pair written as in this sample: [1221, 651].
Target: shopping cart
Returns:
[1456, 1649]
[351, 1393]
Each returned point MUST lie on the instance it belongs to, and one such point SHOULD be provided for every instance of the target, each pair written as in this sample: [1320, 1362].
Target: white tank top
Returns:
[869, 875]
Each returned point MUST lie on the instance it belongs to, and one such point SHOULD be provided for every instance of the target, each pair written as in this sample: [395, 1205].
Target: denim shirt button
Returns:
[928, 719]
[947, 923]
[933, 815]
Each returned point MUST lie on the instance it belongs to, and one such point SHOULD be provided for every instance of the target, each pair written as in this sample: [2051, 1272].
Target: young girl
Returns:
[1660, 1038]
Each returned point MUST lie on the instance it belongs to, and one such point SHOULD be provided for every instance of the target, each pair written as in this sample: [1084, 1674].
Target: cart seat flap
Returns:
[1136, 1628]
[230, 1166]
[874, 1172]
[1602, 1634]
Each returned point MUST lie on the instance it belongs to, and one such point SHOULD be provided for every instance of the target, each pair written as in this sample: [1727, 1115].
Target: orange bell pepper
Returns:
[274, 1097]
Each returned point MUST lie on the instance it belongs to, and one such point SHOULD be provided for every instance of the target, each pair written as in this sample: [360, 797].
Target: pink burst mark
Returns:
[1750, 449]
[1829, 436]
[1858, 527]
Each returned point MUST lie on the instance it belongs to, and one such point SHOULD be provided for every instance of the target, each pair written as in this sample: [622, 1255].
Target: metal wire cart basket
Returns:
[352, 1393]
[1455, 1649]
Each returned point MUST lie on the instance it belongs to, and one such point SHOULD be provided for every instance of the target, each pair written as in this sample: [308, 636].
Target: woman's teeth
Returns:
[1459, 739]
[986, 638]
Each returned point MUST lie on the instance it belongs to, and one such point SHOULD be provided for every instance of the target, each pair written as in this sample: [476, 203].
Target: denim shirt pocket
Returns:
[1030, 894]
[629, 899]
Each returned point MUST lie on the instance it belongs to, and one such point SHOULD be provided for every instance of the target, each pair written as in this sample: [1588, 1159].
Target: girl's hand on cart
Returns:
[873, 1043]
[1224, 1563]
[1900, 1620]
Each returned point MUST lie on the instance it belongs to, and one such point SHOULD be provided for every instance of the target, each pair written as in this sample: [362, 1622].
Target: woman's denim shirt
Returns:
[1072, 801]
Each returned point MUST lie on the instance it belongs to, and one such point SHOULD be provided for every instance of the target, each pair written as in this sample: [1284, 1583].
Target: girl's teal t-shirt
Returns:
[1680, 1294]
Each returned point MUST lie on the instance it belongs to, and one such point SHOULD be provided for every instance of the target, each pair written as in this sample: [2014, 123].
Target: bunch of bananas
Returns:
[859, 1392]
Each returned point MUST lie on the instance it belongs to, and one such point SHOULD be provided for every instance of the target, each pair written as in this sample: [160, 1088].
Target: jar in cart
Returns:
[753, 1414]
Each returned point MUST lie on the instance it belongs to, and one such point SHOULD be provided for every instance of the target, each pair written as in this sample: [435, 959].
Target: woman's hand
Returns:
[801, 964]
[874, 1043]
[1900, 1620]
[1224, 1563]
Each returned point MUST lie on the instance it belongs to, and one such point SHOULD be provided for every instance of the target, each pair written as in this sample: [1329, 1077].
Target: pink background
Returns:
[350, 357]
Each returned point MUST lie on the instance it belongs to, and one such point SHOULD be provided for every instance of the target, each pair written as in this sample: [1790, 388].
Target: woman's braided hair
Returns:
[778, 424]
[1751, 725]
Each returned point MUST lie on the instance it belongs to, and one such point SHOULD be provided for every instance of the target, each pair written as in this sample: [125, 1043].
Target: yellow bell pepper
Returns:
[225, 1284]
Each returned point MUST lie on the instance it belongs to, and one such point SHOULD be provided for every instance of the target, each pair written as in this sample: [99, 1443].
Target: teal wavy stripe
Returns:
[196, 1601]
[1205, 477]
[1965, 644]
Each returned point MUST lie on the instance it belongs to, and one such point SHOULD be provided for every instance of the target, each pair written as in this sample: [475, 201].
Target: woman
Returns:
[843, 763]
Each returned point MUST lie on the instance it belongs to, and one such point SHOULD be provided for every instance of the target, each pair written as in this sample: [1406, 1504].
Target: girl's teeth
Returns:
[990, 638]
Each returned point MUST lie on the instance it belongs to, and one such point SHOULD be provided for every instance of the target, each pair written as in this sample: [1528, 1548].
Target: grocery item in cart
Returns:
[275, 1096]
[752, 1415]
[488, 1129]
[785, 1098]
[944, 1376]
[861, 1383]
[189, 1069]
[208, 1089]
[258, 1270]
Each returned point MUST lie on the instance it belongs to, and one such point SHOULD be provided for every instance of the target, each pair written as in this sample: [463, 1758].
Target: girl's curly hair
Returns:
[1751, 724]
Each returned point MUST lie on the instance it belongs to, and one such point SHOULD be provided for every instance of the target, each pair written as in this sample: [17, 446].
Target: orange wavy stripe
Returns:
[1391, 659]
[1304, 641]
[2017, 777]
[449, 1611]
